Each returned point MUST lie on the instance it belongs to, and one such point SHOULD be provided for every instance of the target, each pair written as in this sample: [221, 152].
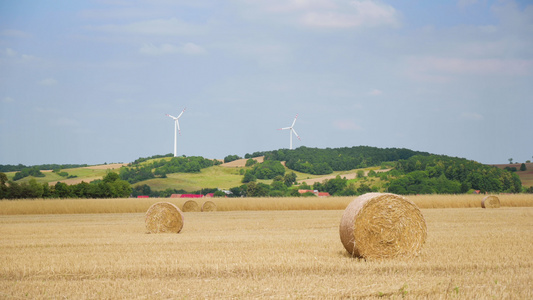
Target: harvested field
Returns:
[261, 254]
[240, 163]
[105, 167]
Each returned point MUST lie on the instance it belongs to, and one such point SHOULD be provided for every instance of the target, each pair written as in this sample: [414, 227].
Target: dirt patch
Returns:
[240, 163]
[348, 176]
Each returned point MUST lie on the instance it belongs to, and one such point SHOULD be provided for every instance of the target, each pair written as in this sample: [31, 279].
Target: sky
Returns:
[90, 82]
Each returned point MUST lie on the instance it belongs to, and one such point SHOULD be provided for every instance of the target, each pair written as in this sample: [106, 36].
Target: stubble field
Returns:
[470, 253]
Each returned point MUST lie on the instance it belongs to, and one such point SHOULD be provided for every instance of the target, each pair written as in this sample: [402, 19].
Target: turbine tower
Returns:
[291, 131]
[176, 130]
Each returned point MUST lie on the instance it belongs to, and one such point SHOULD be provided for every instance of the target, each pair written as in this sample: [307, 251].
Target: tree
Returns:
[510, 160]
[289, 179]
[250, 162]
[248, 177]
[230, 158]
[523, 167]
[333, 186]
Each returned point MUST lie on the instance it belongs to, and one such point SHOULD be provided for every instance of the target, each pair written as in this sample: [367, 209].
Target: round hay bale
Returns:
[209, 206]
[164, 217]
[490, 202]
[190, 205]
[380, 225]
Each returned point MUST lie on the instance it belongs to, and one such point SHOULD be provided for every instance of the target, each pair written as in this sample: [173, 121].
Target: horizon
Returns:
[243, 157]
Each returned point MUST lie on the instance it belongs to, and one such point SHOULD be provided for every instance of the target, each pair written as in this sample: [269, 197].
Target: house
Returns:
[190, 196]
[315, 192]
[143, 196]
[175, 196]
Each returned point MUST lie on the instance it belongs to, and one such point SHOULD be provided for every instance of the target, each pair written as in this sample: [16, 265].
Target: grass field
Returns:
[470, 253]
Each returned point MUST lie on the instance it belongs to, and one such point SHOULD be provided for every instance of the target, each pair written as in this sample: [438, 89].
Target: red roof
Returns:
[323, 194]
[191, 196]
[143, 196]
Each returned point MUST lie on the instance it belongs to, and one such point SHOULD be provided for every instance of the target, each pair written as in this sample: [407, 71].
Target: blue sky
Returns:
[91, 81]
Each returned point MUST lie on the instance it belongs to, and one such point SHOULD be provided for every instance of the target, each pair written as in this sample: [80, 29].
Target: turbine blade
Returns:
[181, 113]
[171, 116]
[284, 128]
[293, 122]
[294, 131]
[178, 124]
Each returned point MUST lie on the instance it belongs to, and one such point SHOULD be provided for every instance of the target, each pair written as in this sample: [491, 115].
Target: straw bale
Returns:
[209, 206]
[382, 225]
[490, 202]
[164, 217]
[190, 205]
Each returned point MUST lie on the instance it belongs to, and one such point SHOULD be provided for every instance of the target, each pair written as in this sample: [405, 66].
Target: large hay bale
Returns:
[209, 206]
[164, 217]
[380, 225]
[190, 205]
[490, 202]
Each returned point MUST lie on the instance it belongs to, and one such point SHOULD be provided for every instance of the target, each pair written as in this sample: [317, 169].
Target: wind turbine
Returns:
[176, 130]
[291, 131]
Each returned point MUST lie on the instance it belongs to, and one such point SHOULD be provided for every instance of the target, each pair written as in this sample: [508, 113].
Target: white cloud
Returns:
[375, 92]
[161, 27]
[443, 67]
[64, 122]
[14, 33]
[188, 48]
[10, 52]
[193, 49]
[346, 125]
[358, 14]
[327, 13]
[48, 82]
[7, 100]
[471, 116]
[464, 3]
[15, 55]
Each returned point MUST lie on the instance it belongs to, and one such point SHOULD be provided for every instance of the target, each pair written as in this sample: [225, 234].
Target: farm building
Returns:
[315, 192]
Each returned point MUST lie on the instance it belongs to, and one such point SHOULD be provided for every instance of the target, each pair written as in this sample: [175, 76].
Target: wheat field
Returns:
[137, 205]
[470, 253]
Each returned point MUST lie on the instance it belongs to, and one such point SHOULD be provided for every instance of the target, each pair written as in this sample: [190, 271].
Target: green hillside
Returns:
[340, 171]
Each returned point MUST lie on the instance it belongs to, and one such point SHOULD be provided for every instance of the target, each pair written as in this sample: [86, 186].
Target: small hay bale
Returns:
[190, 205]
[381, 225]
[490, 202]
[164, 217]
[209, 206]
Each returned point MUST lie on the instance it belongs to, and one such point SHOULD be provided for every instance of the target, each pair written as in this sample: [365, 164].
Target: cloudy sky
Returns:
[91, 81]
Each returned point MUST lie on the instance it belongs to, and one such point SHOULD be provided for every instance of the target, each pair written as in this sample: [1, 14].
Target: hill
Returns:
[526, 177]
[341, 171]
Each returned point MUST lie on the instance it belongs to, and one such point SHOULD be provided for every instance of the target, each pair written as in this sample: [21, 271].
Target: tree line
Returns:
[20, 167]
[450, 175]
[325, 161]
[111, 186]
